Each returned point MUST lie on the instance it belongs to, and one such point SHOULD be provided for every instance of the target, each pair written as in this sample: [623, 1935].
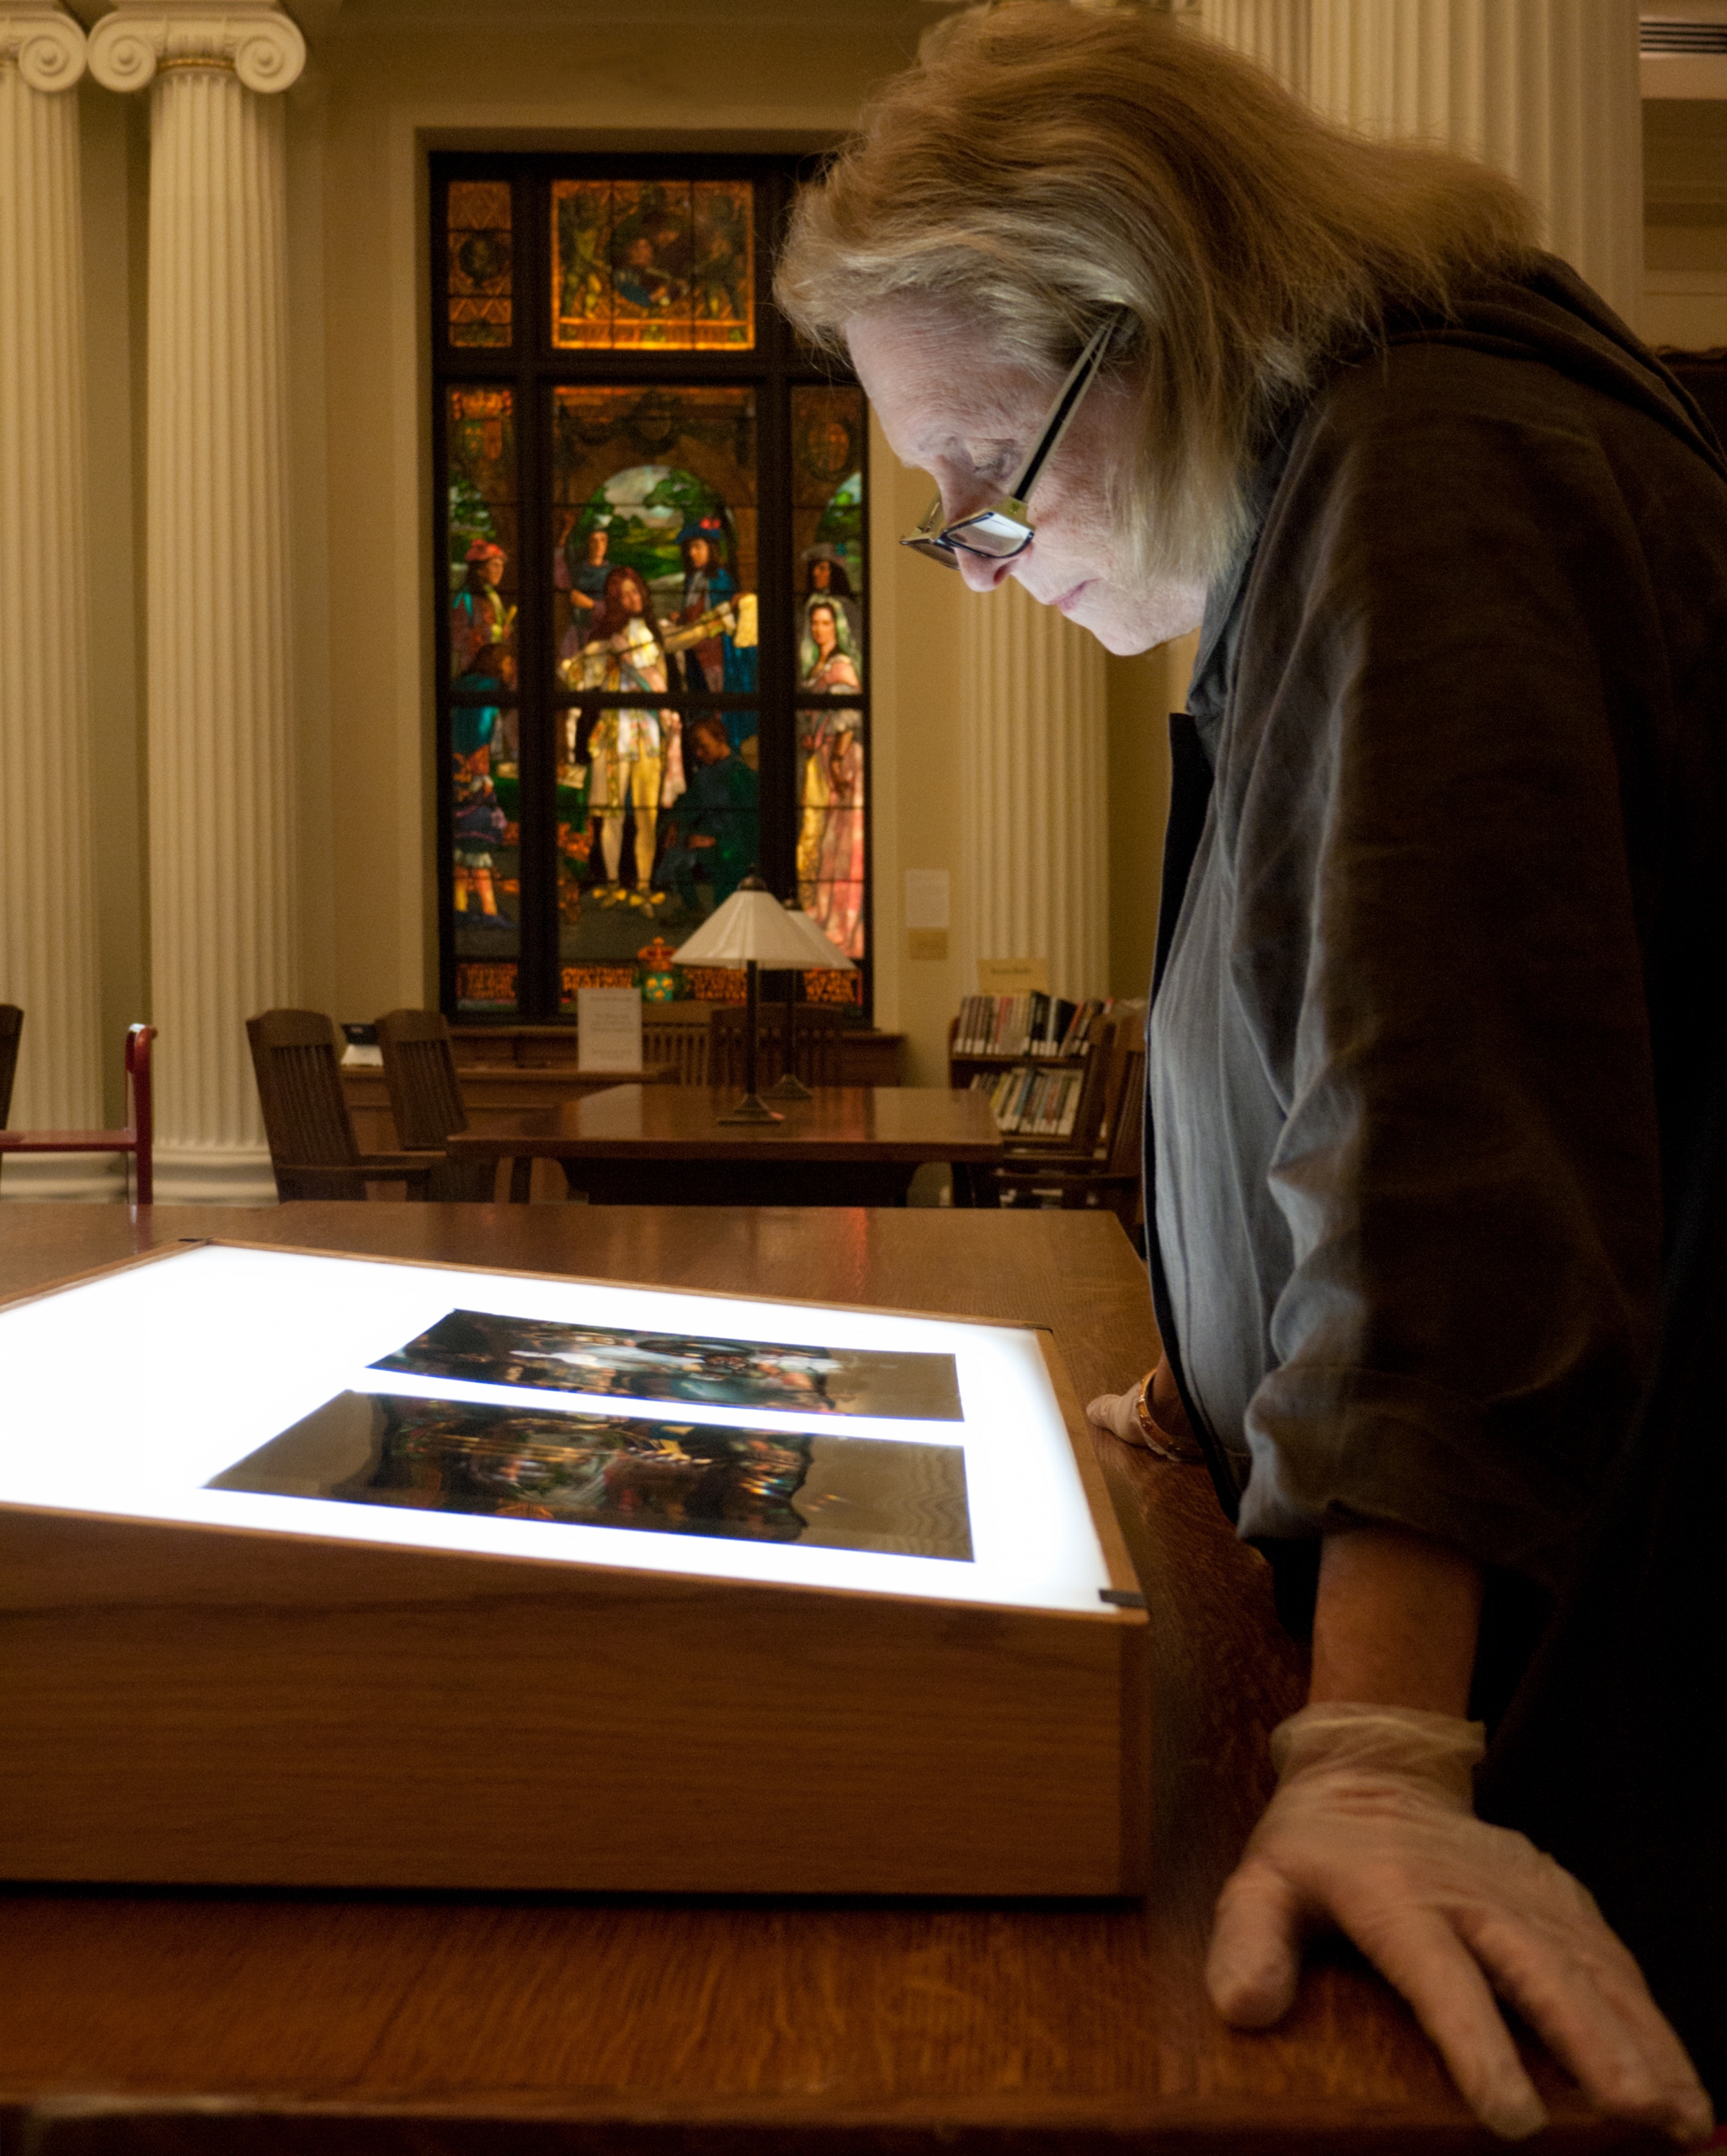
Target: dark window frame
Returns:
[533, 367]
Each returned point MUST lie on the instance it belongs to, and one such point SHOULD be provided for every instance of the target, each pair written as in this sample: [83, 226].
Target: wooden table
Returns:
[218, 2024]
[490, 1094]
[848, 1146]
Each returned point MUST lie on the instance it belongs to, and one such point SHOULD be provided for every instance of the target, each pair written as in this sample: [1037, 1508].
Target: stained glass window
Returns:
[478, 234]
[652, 527]
[656, 264]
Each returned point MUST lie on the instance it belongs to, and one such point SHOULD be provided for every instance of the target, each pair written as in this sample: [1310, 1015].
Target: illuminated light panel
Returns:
[126, 1394]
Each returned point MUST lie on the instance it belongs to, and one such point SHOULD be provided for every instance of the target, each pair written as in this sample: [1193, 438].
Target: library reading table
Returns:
[847, 1145]
[218, 2023]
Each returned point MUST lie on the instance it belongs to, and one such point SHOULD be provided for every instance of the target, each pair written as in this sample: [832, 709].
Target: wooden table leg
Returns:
[521, 1179]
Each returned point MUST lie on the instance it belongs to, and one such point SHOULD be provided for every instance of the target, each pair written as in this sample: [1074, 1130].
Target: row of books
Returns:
[1026, 1025]
[1031, 1103]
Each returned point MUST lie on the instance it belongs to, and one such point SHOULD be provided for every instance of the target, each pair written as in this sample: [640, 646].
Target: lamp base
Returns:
[791, 1087]
[752, 1109]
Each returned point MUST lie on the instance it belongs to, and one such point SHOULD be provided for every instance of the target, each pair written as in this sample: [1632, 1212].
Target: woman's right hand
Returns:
[1371, 1830]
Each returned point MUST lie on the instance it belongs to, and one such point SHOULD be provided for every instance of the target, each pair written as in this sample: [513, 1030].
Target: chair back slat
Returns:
[817, 1049]
[419, 1070]
[683, 1047]
[820, 1044]
[1127, 1119]
[11, 1029]
[1096, 1087]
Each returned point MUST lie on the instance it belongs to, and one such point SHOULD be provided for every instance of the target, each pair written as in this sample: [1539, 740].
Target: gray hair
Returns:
[1043, 164]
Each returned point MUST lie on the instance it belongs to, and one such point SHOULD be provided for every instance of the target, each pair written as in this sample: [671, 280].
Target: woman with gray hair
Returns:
[1427, 1046]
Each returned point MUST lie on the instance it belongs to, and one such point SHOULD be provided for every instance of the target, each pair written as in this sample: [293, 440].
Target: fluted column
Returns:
[1034, 810]
[1276, 33]
[222, 885]
[48, 960]
[1546, 90]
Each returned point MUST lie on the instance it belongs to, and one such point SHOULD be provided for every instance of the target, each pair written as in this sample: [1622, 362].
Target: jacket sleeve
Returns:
[1451, 649]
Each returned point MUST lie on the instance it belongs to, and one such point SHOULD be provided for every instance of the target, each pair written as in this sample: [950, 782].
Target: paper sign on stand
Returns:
[608, 1029]
[1013, 976]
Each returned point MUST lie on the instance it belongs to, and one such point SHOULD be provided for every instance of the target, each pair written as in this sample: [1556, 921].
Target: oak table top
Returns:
[348, 2023]
[840, 1123]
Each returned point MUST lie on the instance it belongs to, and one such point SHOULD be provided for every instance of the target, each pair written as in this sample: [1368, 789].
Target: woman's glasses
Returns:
[1004, 530]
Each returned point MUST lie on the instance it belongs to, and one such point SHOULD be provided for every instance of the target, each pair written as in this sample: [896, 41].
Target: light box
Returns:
[320, 1570]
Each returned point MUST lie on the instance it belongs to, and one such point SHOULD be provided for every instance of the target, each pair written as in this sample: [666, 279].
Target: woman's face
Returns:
[949, 408]
[821, 629]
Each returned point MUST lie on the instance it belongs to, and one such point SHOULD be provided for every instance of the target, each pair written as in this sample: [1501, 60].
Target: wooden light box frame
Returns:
[198, 1704]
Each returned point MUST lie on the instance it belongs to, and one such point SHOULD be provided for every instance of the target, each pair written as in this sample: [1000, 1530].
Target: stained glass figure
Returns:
[653, 575]
[666, 266]
[484, 776]
[634, 756]
[478, 223]
[831, 848]
[713, 835]
[828, 426]
[481, 450]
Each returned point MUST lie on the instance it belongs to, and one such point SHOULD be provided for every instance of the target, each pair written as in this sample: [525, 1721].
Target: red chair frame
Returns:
[138, 1138]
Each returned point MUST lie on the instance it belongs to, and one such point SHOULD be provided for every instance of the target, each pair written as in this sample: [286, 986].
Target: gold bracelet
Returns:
[1163, 1442]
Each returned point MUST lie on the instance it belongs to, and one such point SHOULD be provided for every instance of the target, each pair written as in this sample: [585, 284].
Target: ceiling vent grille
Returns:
[1673, 33]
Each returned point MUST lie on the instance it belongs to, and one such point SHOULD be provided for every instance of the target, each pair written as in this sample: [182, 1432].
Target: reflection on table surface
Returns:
[861, 1115]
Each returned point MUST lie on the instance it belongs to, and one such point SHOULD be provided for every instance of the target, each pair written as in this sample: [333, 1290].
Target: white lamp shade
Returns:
[752, 924]
[824, 952]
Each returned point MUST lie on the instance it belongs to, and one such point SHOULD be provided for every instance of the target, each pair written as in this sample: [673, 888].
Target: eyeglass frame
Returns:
[943, 545]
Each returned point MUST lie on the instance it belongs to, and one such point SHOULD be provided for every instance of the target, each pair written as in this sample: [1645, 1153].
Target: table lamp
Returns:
[825, 956]
[752, 930]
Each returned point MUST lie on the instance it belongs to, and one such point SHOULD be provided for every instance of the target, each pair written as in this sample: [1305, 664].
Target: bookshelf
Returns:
[1030, 1053]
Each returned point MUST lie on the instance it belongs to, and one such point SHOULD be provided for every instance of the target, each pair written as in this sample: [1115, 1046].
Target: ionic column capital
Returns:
[43, 42]
[253, 40]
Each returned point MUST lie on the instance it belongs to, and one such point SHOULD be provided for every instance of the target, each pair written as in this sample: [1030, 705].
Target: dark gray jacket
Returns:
[1441, 973]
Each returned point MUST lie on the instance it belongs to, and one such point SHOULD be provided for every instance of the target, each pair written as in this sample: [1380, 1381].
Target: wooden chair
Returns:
[312, 1149]
[138, 1138]
[425, 1100]
[816, 1049]
[1110, 1178]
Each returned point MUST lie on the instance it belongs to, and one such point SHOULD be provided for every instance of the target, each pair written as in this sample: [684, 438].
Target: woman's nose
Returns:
[979, 571]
